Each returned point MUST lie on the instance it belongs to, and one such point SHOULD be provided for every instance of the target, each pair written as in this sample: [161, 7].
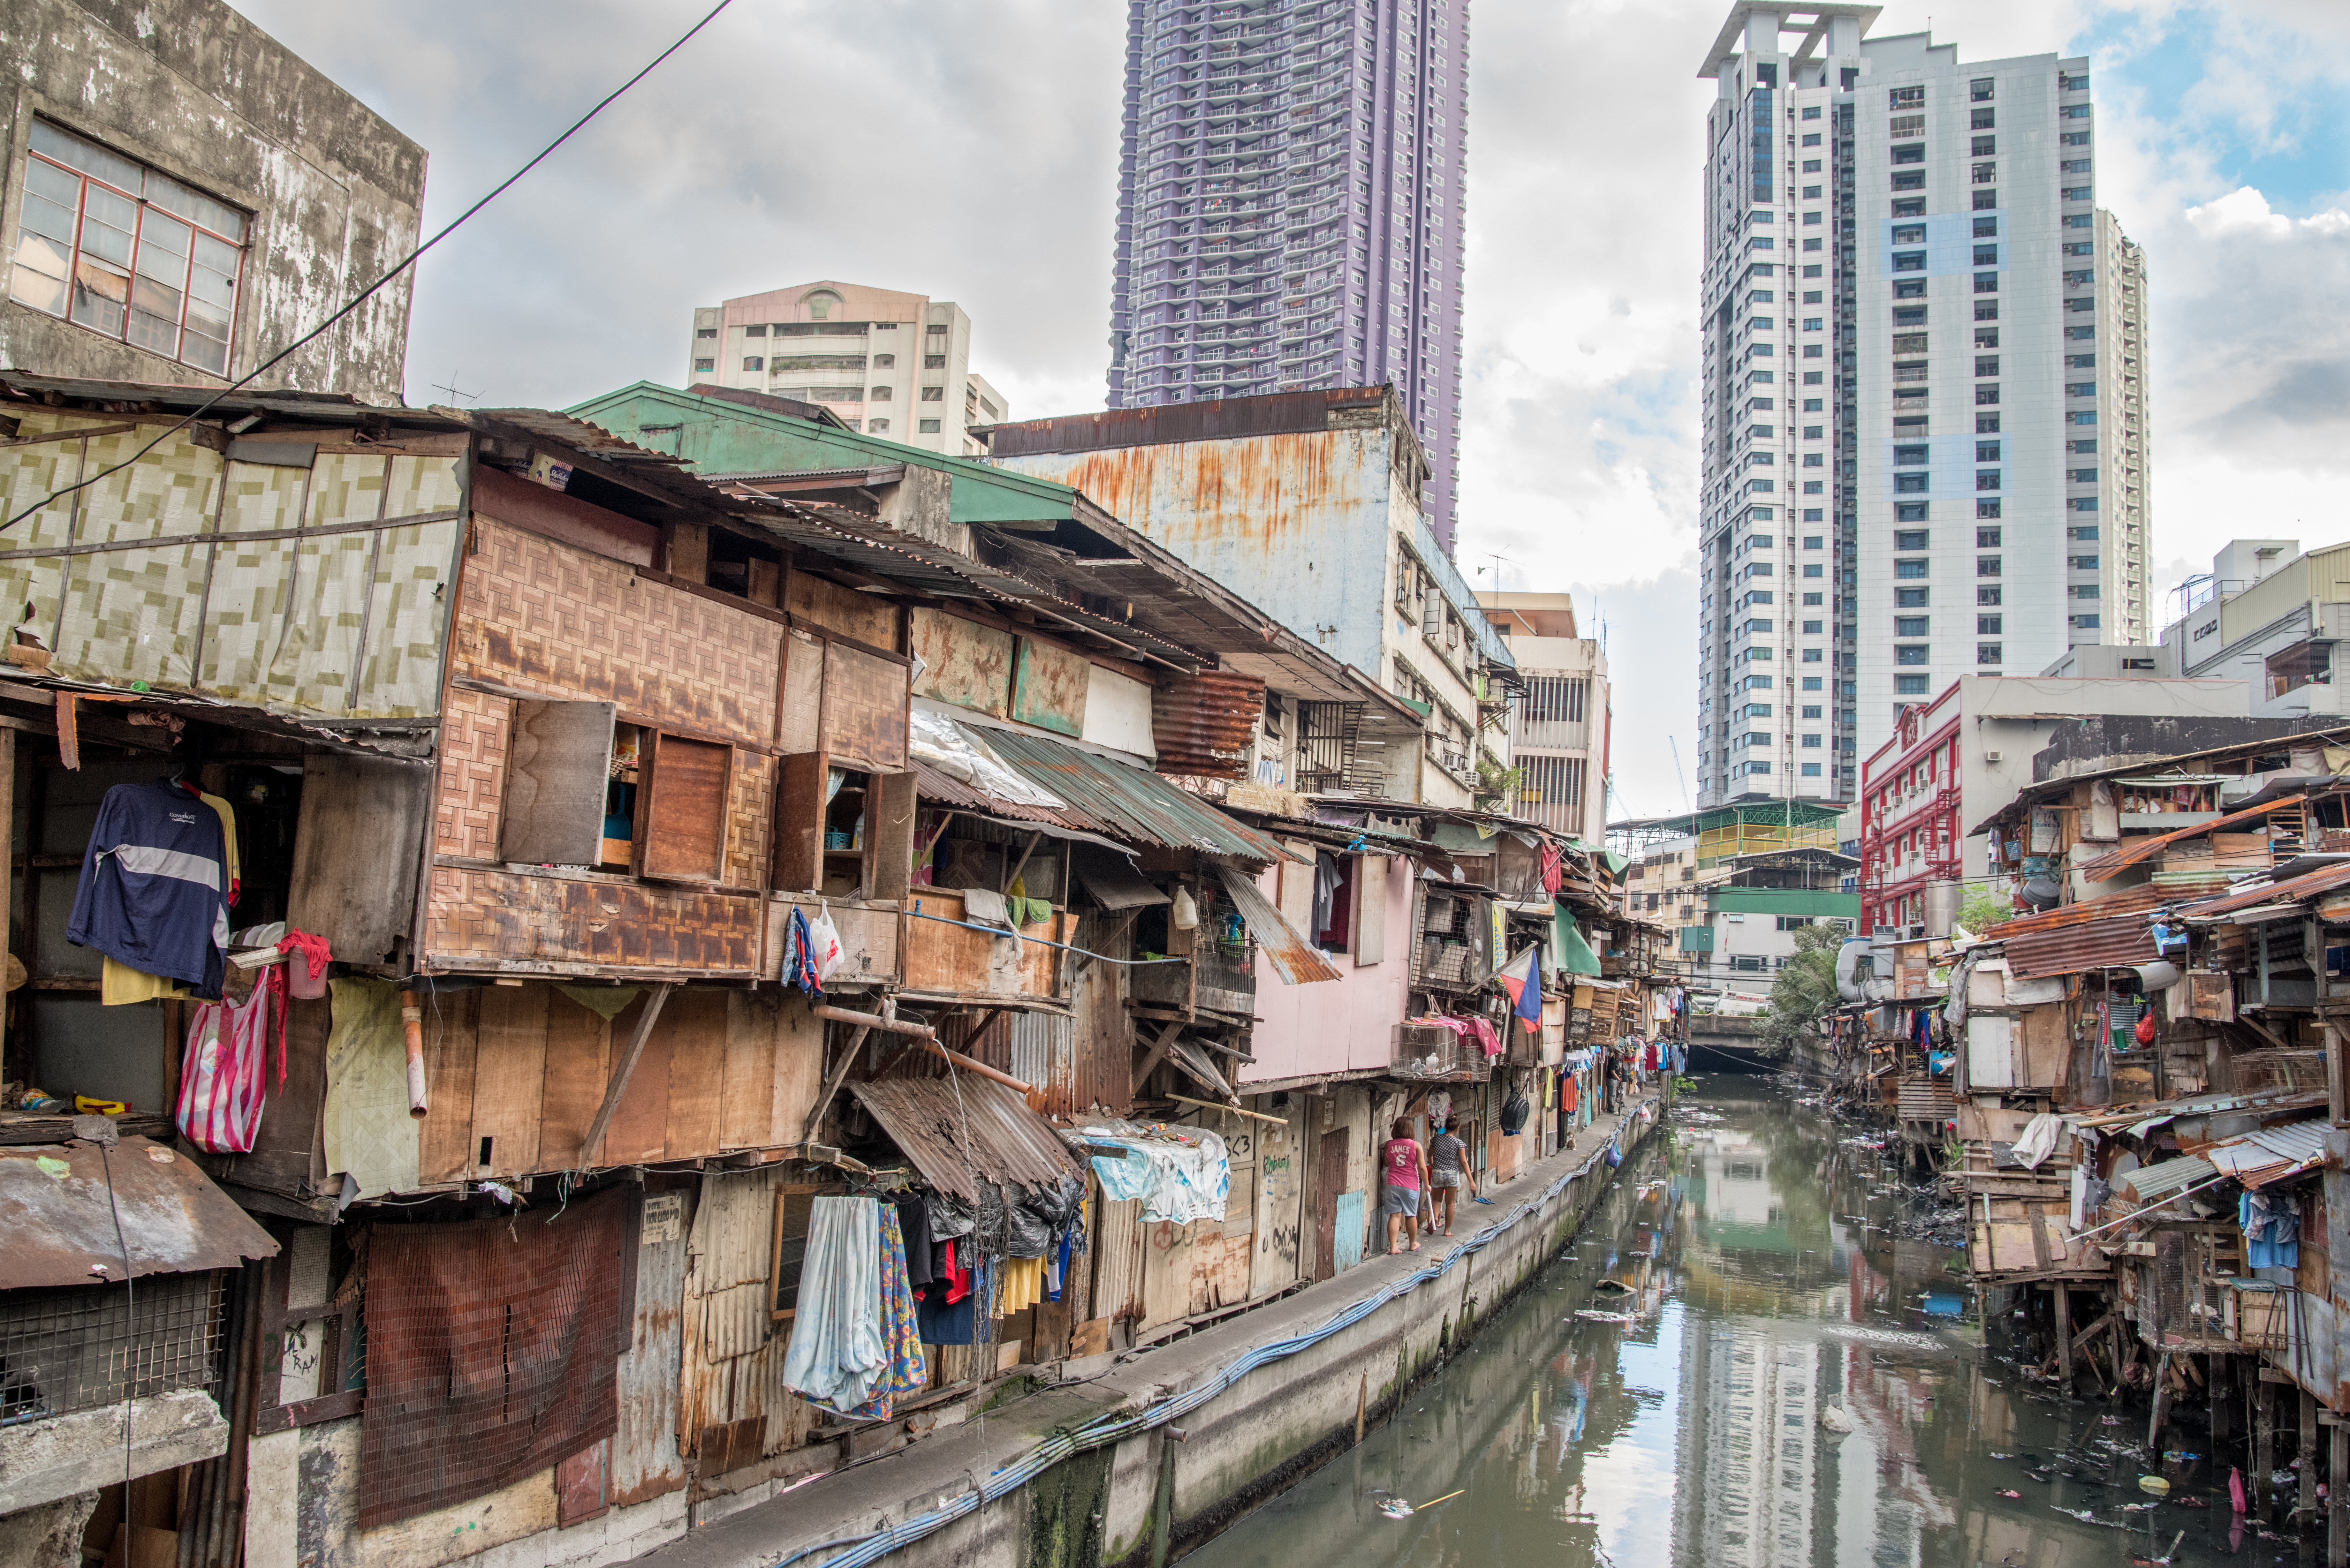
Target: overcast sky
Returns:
[969, 152]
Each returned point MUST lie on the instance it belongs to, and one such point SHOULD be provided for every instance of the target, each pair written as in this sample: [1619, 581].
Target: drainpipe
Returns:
[1162, 1505]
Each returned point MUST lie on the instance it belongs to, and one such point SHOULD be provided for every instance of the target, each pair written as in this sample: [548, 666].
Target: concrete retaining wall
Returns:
[1095, 1508]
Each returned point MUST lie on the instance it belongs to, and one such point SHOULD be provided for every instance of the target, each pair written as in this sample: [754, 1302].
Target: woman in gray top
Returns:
[1448, 1161]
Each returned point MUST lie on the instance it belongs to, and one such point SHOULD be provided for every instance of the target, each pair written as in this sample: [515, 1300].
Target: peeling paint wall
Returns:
[192, 90]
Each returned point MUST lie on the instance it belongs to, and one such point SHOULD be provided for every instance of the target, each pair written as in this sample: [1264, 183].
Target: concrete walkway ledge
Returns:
[1084, 1474]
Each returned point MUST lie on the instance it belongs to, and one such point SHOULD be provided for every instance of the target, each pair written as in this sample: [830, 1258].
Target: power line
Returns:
[361, 297]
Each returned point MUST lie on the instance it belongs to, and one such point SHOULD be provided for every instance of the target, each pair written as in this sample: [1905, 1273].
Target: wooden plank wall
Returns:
[952, 959]
[526, 1066]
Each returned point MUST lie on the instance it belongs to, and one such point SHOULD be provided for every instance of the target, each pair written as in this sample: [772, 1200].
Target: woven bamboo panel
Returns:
[549, 619]
[750, 818]
[478, 917]
[473, 732]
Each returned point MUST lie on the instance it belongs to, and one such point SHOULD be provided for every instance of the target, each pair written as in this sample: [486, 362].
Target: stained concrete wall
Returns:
[1095, 1508]
[191, 89]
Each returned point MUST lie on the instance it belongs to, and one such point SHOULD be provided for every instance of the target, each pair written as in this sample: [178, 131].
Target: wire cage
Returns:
[82, 1347]
[1430, 1053]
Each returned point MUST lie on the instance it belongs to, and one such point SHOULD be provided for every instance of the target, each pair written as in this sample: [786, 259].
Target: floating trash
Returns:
[2155, 1484]
[2010, 1494]
[1397, 1508]
[1592, 1315]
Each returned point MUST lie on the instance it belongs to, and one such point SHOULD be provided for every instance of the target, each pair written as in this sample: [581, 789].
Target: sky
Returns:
[968, 153]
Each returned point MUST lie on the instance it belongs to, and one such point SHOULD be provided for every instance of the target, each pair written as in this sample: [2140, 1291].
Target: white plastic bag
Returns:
[1185, 916]
[823, 943]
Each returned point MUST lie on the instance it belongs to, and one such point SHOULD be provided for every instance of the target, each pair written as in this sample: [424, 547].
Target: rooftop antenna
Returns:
[450, 387]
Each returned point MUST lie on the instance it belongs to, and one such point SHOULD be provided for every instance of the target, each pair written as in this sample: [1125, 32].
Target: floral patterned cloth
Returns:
[907, 1372]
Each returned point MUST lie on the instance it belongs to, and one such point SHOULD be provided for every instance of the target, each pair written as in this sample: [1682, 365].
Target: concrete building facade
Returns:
[184, 197]
[1291, 182]
[1925, 429]
[2271, 615]
[1559, 733]
[1953, 763]
[882, 361]
[1312, 506]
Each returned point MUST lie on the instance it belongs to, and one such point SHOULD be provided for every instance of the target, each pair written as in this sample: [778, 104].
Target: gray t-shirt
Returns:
[1444, 1152]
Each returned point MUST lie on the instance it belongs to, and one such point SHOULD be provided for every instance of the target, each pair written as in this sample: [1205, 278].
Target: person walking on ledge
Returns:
[1405, 1165]
[1447, 1164]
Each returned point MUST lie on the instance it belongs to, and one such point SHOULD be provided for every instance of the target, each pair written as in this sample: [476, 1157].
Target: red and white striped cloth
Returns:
[224, 1077]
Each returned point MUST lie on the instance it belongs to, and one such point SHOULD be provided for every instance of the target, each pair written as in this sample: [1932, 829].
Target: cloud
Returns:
[2245, 211]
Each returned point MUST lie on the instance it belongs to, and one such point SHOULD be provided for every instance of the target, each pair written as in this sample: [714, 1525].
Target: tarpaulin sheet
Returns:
[491, 1350]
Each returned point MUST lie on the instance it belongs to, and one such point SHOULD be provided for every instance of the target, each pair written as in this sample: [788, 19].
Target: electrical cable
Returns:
[360, 299]
[1065, 947]
[129, 1327]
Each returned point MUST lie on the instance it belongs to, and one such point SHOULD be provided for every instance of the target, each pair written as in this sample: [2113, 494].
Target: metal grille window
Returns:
[124, 250]
[1551, 781]
[82, 1347]
[1552, 699]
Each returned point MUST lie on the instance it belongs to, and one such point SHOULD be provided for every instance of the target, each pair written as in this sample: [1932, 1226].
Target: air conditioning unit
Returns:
[1994, 756]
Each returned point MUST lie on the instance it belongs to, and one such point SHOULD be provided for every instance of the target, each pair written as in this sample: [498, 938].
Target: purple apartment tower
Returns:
[1289, 207]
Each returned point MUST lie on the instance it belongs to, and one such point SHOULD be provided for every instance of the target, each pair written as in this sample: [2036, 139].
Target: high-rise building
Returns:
[1925, 439]
[1559, 735]
[1289, 209]
[889, 363]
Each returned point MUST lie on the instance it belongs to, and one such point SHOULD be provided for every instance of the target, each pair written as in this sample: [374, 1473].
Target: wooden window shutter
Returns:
[682, 809]
[1370, 910]
[558, 766]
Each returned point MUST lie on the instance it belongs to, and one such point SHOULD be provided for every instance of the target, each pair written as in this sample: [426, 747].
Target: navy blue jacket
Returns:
[154, 885]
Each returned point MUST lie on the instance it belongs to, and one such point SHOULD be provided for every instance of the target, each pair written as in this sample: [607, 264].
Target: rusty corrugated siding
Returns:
[1205, 725]
[733, 1356]
[1120, 1248]
[645, 1459]
[57, 1217]
[1291, 955]
[2069, 949]
[1131, 802]
[967, 1130]
[2303, 887]
[2114, 861]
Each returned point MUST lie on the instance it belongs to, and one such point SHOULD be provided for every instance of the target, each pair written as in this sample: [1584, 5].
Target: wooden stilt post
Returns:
[2305, 1509]
[2064, 1336]
[2264, 1444]
[2337, 1495]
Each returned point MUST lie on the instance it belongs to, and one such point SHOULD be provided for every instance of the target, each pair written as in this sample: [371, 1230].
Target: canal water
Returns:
[1778, 1278]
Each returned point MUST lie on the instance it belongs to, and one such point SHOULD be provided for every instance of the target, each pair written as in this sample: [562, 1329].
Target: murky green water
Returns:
[1769, 1283]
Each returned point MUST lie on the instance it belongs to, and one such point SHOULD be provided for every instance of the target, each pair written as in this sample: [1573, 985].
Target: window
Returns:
[1986, 538]
[705, 366]
[1986, 479]
[1980, 90]
[2084, 562]
[1985, 200]
[1987, 394]
[753, 362]
[1984, 146]
[1986, 566]
[1911, 484]
[1987, 654]
[1983, 119]
[1914, 539]
[934, 394]
[124, 250]
[926, 427]
[1915, 568]
[931, 331]
[1811, 683]
[1910, 685]
[1912, 653]
[2085, 590]
[1987, 596]
[758, 331]
[1908, 456]
[878, 427]
[1987, 625]
[1909, 511]
[1906, 97]
[701, 332]
[885, 361]
[934, 361]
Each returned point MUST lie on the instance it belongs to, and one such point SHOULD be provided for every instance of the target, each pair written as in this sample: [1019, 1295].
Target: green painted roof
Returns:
[715, 436]
[1785, 901]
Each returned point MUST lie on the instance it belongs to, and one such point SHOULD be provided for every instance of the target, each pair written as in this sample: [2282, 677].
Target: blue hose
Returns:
[1117, 1429]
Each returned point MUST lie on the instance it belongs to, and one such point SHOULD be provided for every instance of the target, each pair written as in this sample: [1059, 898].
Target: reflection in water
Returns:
[1797, 1384]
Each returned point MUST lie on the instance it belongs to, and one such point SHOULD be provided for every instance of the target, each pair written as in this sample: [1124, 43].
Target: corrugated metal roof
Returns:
[1129, 803]
[2269, 1154]
[1205, 725]
[2140, 899]
[1290, 954]
[939, 788]
[55, 1215]
[2114, 861]
[964, 1131]
[2306, 886]
[2165, 1179]
[2207, 1104]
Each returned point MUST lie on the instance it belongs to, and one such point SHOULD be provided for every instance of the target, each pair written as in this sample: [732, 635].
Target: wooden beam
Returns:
[593, 1144]
[1150, 1064]
[1022, 864]
[832, 1084]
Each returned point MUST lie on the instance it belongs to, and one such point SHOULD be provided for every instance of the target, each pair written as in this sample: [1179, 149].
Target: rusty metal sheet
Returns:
[1215, 419]
[645, 1461]
[1130, 803]
[2306, 886]
[864, 710]
[1205, 725]
[734, 1356]
[2269, 1154]
[1924, 1099]
[2114, 861]
[58, 1223]
[963, 1131]
[962, 662]
[1048, 687]
[1121, 1247]
[1297, 961]
[2113, 943]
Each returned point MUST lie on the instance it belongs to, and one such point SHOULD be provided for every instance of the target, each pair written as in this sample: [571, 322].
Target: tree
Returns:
[1806, 991]
[1984, 910]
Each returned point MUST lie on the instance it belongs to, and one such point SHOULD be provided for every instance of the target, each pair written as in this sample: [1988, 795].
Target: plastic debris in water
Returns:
[1397, 1508]
[1836, 1419]
[2003, 1456]
[2010, 1494]
[2085, 1515]
[2177, 1456]
[2155, 1484]
[1588, 1315]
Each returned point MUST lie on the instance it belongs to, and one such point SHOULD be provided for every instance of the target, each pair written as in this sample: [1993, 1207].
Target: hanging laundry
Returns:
[2272, 1227]
[153, 889]
[1179, 1179]
[914, 1227]
[224, 1077]
[955, 1318]
[1023, 1285]
[905, 1370]
[838, 1357]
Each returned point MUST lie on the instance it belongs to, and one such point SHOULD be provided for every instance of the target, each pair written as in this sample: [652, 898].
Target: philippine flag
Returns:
[1522, 977]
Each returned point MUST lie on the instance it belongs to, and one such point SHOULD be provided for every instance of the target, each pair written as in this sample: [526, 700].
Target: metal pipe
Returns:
[875, 1021]
[412, 1026]
[972, 1065]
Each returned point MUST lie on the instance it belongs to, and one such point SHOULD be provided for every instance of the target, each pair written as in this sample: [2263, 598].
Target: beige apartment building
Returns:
[1559, 733]
[885, 362]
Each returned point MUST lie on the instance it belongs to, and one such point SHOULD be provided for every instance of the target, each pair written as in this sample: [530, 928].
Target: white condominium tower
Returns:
[1923, 366]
